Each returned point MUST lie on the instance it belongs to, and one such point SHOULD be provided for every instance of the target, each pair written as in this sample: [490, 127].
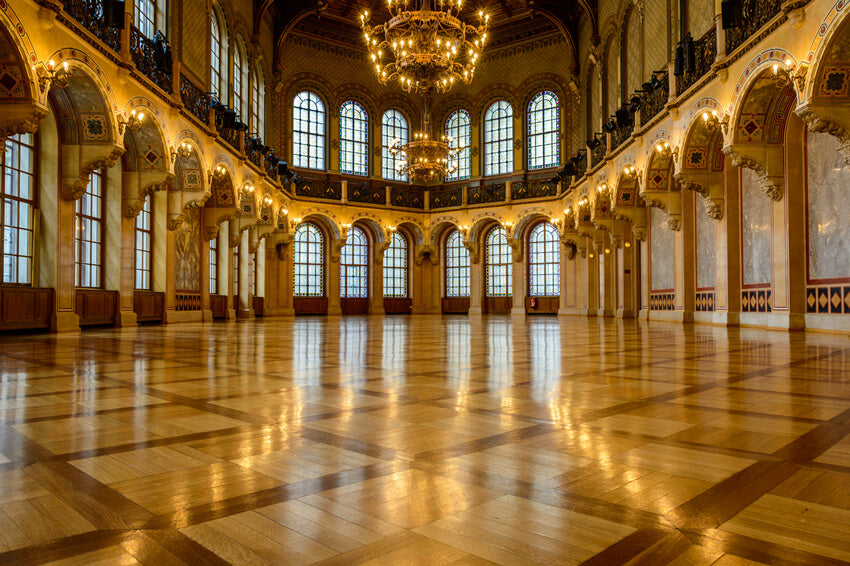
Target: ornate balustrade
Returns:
[537, 188]
[405, 197]
[151, 60]
[705, 53]
[447, 198]
[621, 135]
[581, 166]
[253, 152]
[655, 101]
[597, 154]
[756, 14]
[317, 188]
[195, 100]
[486, 194]
[365, 193]
[90, 14]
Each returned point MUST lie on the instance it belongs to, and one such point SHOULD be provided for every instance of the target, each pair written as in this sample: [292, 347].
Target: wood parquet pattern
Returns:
[425, 440]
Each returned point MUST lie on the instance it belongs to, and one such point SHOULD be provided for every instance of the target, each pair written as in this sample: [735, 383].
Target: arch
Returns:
[529, 218]
[481, 224]
[401, 103]
[833, 23]
[438, 231]
[325, 220]
[414, 228]
[450, 104]
[358, 93]
[146, 162]
[13, 55]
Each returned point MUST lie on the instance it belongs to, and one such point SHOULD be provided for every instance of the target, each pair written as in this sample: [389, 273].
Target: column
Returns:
[332, 281]
[244, 308]
[686, 253]
[727, 237]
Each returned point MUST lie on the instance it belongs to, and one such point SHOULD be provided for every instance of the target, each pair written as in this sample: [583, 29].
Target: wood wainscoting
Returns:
[394, 305]
[498, 305]
[545, 305]
[218, 306]
[310, 305]
[354, 305]
[25, 307]
[96, 307]
[149, 306]
[455, 305]
[258, 303]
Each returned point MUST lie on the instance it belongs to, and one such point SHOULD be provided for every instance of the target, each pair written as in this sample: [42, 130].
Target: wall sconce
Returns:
[602, 188]
[628, 244]
[285, 212]
[663, 148]
[583, 201]
[58, 75]
[220, 171]
[293, 224]
[184, 150]
[630, 172]
[267, 200]
[134, 121]
[391, 229]
[711, 120]
[591, 255]
[782, 74]
[607, 250]
[247, 188]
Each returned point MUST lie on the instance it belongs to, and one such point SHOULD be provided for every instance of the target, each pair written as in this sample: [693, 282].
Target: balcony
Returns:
[152, 59]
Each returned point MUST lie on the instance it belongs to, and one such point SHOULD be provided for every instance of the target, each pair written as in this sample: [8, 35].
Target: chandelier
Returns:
[425, 48]
[425, 158]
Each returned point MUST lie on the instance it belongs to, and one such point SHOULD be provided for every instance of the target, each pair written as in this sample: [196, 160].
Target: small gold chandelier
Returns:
[425, 48]
[425, 158]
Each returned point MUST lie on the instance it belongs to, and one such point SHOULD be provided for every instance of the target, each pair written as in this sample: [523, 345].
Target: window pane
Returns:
[498, 260]
[544, 278]
[308, 262]
[395, 267]
[544, 148]
[308, 131]
[459, 134]
[457, 266]
[353, 139]
[498, 139]
[394, 127]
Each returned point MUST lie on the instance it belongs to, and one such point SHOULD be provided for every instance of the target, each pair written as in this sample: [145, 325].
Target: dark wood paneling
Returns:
[545, 305]
[351, 305]
[25, 307]
[455, 305]
[188, 301]
[258, 304]
[148, 306]
[498, 305]
[218, 305]
[310, 305]
[397, 306]
[96, 307]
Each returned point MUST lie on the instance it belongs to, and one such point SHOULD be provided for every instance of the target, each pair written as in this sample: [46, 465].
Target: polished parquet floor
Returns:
[425, 440]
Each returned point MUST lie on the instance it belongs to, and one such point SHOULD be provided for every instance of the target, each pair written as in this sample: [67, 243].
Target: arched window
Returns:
[89, 235]
[308, 131]
[258, 103]
[394, 127]
[144, 237]
[218, 56]
[544, 122]
[237, 270]
[395, 267]
[498, 258]
[353, 139]
[214, 266]
[459, 132]
[499, 139]
[544, 262]
[308, 269]
[240, 81]
[354, 264]
[17, 193]
[457, 266]
[144, 17]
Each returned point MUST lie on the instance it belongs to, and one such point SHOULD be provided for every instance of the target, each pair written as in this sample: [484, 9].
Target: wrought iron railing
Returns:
[254, 151]
[365, 193]
[597, 154]
[90, 14]
[151, 60]
[756, 14]
[705, 53]
[317, 188]
[537, 188]
[581, 165]
[655, 101]
[486, 193]
[195, 100]
[230, 135]
[447, 198]
[621, 135]
[405, 197]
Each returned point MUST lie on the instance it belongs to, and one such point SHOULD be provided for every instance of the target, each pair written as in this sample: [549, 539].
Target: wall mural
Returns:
[662, 244]
[829, 228]
[188, 238]
[755, 214]
[705, 249]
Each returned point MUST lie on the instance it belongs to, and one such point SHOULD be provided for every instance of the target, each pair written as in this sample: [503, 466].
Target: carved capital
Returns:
[639, 234]
[570, 250]
[210, 232]
[815, 123]
[336, 249]
[75, 190]
[673, 223]
[473, 249]
[174, 223]
[132, 207]
[516, 249]
[380, 248]
[426, 251]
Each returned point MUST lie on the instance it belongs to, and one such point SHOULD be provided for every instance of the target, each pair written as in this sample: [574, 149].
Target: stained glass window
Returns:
[544, 146]
[144, 236]
[17, 194]
[89, 237]
[498, 260]
[395, 267]
[459, 132]
[544, 263]
[394, 127]
[216, 55]
[308, 131]
[240, 81]
[308, 268]
[354, 265]
[353, 139]
[144, 16]
[498, 139]
[258, 103]
[457, 266]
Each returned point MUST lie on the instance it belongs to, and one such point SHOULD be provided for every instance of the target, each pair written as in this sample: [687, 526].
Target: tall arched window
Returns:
[353, 139]
[89, 237]
[354, 265]
[17, 193]
[499, 139]
[395, 267]
[498, 258]
[544, 262]
[308, 269]
[544, 122]
[237, 270]
[144, 238]
[214, 266]
[144, 17]
[457, 266]
[459, 132]
[258, 103]
[218, 56]
[394, 127]
[308, 131]
[240, 80]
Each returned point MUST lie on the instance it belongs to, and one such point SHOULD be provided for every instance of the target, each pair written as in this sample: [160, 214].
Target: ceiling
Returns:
[511, 20]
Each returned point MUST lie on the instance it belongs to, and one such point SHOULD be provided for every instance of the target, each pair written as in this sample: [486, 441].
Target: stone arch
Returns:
[438, 231]
[24, 101]
[658, 186]
[449, 105]
[701, 162]
[147, 162]
[414, 229]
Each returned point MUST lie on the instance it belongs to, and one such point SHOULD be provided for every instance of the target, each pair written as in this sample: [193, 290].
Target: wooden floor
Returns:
[425, 440]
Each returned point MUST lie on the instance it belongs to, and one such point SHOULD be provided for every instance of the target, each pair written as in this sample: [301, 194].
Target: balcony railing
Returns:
[195, 100]
[705, 53]
[621, 135]
[655, 101]
[254, 150]
[447, 198]
[405, 197]
[756, 14]
[486, 194]
[365, 193]
[90, 14]
[317, 188]
[537, 188]
[597, 154]
[152, 60]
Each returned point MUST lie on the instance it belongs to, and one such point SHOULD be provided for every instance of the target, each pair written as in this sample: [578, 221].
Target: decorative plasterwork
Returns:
[771, 185]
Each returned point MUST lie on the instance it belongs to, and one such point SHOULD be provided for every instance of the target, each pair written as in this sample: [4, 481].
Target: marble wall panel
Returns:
[829, 203]
[756, 230]
[705, 249]
[662, 247]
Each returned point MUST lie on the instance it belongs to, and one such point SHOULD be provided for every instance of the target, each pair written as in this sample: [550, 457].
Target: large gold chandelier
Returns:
[425, 48]
[425, 158]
